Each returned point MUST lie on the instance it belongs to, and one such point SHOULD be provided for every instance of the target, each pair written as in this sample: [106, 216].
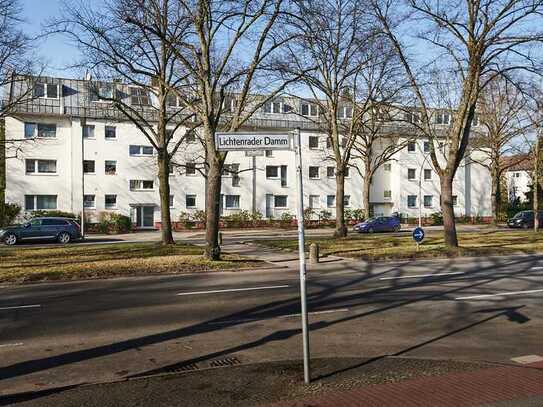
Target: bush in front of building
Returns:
[53, 214]
[286, 220]
[10, 213]
[114, 223]
[354, 215]
[437, 218]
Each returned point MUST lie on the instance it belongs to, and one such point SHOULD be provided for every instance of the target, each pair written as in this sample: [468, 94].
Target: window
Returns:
[231, 201]
[110, 167]
[387, 167]
[330, 172]
[88, 131]
[269, 153]
[54, 222]
[283, 175]
[190, 201]
[411, 146]
[171, 100]
[110, 201]
[345, 112]
[313, 142]
[190, 168]
[516, 174]
[314, 201]
[287, 108]
[99, 92]
[387, 194]
[280, 201]
[426, 146]
[428, 201]
[232, 170]
[309, 109]
[110, 133]
[427, 174]
[330, 201]
[141, 185]
[89, 166]
[443, 118]
[314, 172]
[190, 136]
[140, 150]
[41, 130]
[272, 171]
[40, 202]
[455, 200]
[41, 166]
[139, 96]
[272, 107]
[411, 201]
[347, 200]
[46, 90]
[411, 173]
[412, 117]
[347, 172]
[89, 201]
[171, 201]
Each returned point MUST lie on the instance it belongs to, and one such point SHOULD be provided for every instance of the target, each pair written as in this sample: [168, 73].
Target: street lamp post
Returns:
[420, 187]
[83, 125]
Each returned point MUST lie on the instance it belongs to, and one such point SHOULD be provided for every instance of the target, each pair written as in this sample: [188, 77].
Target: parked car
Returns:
[379, 224]
[63, 230]
[524, 220]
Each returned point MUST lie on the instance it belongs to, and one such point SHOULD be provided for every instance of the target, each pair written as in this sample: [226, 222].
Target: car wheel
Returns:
[10, 239]
[64, 238]
[525, 226]
[370, 230]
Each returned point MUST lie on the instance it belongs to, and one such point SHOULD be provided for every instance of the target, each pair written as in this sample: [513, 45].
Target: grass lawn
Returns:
[381, 246]
[71, 262]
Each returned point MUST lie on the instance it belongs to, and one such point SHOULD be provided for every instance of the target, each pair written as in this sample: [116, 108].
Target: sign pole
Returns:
[301, 246]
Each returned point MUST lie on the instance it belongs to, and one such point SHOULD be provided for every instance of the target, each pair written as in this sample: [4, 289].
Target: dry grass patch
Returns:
[72, 262]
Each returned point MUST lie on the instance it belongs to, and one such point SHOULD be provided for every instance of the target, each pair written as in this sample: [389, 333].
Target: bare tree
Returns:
[506, 125]
[330, 52]
[472, 40]
[230, 57]
[133, 41]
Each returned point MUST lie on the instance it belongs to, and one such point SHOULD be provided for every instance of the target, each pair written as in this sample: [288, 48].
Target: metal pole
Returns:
[83, 124]
[254, 185]
[301, 245]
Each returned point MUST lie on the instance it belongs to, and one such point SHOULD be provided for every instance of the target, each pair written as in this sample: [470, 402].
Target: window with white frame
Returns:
[426, 146]
[171, 201]
[347, 172]
[387, 167]
[231, 201]
[110, 201]
[88, 131]
[387, 193]
[269, 153]
[100, 92]
[272, 171]
[190, 136]
[110, 167]
[330, 172]
[139, 96]
[141, 185]
[330, 201]
[273, 107]
[443, 118]
[427, 174]
[190, 168]
[89, 166]
[41, 166]
[40, 202]
[314, 172]
[412, 117]
[280, 201]
[110, 133]
[428, 201]
[309, 109]
[347, 200]
[139, 151]
[345, 112]
[40, 130]
[455, 200]
[411, 173]
[314, 201]
[411, 201]
[46, 90]
[411, 146]
[313, 142]
[190, 201]
[89, 201]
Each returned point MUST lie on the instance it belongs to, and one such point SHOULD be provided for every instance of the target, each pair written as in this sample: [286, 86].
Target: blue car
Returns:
[379, 224]
[63, 230]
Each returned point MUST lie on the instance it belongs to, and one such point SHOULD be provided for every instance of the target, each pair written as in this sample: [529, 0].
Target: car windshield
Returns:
[371, 220]
[523, 214]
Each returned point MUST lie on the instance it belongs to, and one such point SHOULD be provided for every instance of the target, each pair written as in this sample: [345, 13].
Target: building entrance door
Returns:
[145, 216]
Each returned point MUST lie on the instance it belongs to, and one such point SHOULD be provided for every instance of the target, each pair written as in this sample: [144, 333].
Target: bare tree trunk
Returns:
[495, 195]
[164, 192]
[449, 226]
[2, 172]
[341, 228]
[213, 197]
[366, 195]
[536, 185]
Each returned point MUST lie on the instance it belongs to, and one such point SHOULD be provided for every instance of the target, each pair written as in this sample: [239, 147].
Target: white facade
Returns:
[518, 184]
[129, 184]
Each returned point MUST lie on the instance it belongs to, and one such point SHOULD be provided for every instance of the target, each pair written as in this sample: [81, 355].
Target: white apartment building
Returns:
[519, 180]
[114, 164]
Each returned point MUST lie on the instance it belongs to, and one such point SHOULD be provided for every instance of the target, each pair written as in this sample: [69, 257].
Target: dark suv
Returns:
[524, 220]
[63, 230]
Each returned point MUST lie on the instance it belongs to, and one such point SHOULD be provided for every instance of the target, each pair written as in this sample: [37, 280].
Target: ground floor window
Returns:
[40, 202]
[280, 201]
[190, 201]
[231, 201]
[330, 201]
[428, 201]
[411, 201]
[89, 201]
[110, 201]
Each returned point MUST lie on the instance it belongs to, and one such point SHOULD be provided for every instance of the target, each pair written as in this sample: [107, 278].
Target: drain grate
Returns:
[225, 362]
[182, 368]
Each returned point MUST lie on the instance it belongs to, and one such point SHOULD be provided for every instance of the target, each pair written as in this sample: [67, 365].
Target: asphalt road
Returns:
[79, 332]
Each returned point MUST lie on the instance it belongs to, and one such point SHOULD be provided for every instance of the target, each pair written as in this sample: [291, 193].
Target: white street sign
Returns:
[253, 141]
[254, 153]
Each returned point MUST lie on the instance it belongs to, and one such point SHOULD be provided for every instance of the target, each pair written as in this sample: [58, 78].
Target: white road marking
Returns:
[6, 345]
[241, 321]
[537, 268]
[20, 307]
[473, 297]
[526, 360]
[424, 275]
[231, 290]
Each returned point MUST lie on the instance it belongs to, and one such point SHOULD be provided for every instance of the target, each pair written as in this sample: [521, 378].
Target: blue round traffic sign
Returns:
[418, 235]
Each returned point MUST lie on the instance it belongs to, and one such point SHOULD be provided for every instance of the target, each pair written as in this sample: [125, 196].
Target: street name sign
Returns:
[253, 141]
[418, 235]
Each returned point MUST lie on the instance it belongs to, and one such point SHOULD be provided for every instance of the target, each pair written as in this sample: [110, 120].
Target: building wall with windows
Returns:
[119, 166]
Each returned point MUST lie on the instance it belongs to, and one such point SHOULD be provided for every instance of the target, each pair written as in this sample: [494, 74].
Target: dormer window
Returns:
[139, 96]
[171, 100]
[273, 107]
[345, 112]
[309, 110]
[102, 92]
[412, 117]
[229, 104]
[443, 118]
[46, 90]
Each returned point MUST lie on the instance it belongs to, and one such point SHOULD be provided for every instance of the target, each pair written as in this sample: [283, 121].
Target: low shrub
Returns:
[53, 213]
[114, 223]
[437, 218]
[9, 213]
